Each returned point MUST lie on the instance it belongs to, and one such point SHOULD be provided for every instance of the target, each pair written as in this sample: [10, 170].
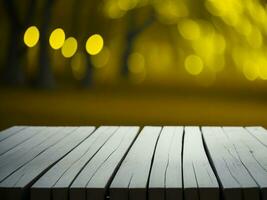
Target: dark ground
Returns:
[127, 107]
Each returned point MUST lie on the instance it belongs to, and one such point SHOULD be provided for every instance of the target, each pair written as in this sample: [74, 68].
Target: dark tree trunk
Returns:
[133, 32]
[88, 78]
[13, 73]
[45, 77]
[128, 49]
[86, 82]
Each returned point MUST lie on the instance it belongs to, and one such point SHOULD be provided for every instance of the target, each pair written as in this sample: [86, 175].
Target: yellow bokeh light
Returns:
[112, 10]
[170, 11]
[78, 65]
[136, 66]
[255, 38]
[136, 63]
[218, 63]
[244, 26]
[57, 38]
[219, 44]
[193, 64]
[250, 70]
[70, 47]
[94, 44]
[263, 72]
[262, 65]
[189, 29]
[31, 36]
[127, 4]
[224, 8]
[101, 59]
[226, 37]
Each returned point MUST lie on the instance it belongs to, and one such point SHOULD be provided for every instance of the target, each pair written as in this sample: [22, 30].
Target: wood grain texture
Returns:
[16, 186]
[18, 151]
[117, 163]
[259, 133]
[55, 183]
[93, 180]
[130, 182]
[199, 179]
[166, 174]
[237, 183]
[24, 153]
[17, 139]
[10, 131]
[252, 153]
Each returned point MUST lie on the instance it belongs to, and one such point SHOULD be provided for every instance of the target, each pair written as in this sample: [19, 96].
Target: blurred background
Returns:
[133, 62]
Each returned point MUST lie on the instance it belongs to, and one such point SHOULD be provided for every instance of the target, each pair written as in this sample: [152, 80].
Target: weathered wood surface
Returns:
[252, 153]
[93, 180]
[25, 152]
[16, 185]
[125, 163]
[10, 131]
[58, 179]
[237, 182]
[131, 179]
[199, 179]
[166, 173]
[16, 139]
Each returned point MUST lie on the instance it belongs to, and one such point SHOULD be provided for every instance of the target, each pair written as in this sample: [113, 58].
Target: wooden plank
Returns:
[61, 175]
[259, 133]
[16, 186]
[16, 139]
[199, 179]
[93, 180]
[166, 174]
[235, 179]
[16, 161]
[21, 149]
[131, 180]
[10, 131]
[252, 153]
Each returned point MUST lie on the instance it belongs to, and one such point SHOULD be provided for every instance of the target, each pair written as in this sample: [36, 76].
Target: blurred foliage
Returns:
[146, 62]
[165, 42]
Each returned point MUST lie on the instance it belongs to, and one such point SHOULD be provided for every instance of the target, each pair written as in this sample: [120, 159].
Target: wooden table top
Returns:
[133, 163]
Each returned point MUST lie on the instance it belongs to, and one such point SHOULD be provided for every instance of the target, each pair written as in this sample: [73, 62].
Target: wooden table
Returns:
[129, 163]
